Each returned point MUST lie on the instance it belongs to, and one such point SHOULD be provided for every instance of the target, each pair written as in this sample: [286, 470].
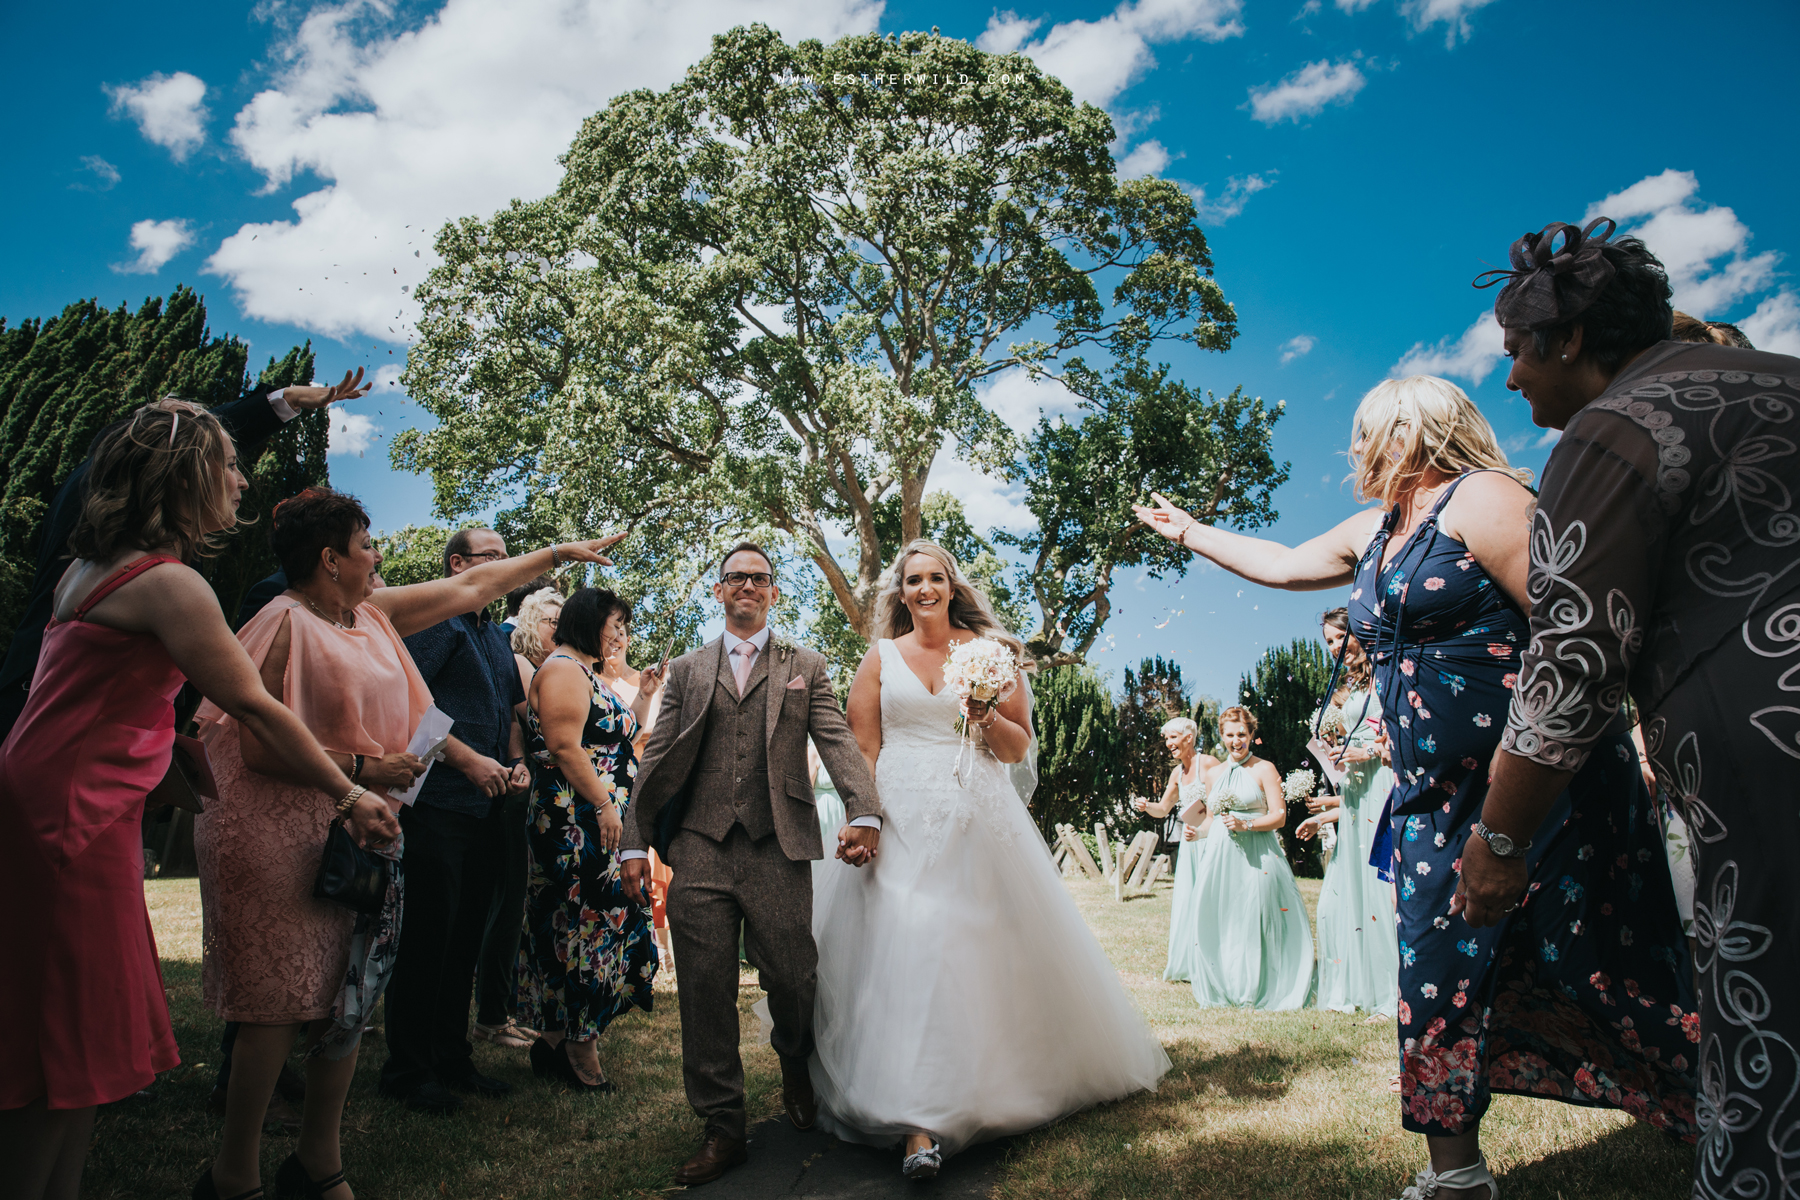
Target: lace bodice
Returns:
[916, 771]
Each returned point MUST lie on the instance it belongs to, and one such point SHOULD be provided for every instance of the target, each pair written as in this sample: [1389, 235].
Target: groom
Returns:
[723, 795]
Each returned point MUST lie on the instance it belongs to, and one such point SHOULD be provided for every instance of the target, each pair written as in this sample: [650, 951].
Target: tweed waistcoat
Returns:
[731, 774]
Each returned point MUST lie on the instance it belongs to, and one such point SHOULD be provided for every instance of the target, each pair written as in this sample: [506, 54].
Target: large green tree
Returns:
[768, 298]
[1139, 431]
[1282, 689]
[64, 378]
[1078, 749]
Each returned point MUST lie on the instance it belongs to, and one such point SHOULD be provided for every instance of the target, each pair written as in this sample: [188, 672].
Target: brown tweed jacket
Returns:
[794, 711]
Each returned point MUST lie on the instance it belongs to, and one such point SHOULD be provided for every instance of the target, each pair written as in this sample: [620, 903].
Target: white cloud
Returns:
[1452, 14]
[1018, 399]
[1471, 356]
[351, 433]
[1099, 59]
[410, 127]
[988, 501]
[1703, 246]
[168, 110]
[1775, 325]
[1298, 346]
[107, 174]
[1237, 193]
[1306, 91]
[1146, 158]
[156, 243]
[1354, 6]
[1007, 31]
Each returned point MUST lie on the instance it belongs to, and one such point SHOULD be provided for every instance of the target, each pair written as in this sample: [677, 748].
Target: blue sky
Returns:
[1356, 162]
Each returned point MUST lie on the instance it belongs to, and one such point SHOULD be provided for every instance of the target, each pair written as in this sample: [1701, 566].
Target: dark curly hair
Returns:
[306, 524]
[1630, 314]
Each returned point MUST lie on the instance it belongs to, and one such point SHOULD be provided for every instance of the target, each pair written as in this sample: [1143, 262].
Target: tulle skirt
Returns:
[960, 992]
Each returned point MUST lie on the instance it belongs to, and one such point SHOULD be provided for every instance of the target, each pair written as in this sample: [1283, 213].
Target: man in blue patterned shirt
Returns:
[454, 848]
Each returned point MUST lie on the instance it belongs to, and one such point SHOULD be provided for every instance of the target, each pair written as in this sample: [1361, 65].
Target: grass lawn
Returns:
[1257, 1105]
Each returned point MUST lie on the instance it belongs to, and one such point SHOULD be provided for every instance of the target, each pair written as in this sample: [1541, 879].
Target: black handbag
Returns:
[349, 874]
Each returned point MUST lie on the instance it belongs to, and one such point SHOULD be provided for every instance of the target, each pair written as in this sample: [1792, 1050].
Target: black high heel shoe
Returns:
[206, 1189]
[293, 1183]
[554, 1063]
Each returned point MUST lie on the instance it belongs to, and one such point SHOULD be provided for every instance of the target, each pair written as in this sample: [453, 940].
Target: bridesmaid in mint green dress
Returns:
[1252, 943]
[1359, 951]
[1187, 787]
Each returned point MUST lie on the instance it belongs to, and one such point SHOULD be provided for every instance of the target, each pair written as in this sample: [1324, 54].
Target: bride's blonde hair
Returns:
[969, 606]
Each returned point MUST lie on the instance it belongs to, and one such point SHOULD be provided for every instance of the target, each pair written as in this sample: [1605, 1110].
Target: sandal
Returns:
[548, 1062]
[507, 1033]
[293, 1183]
[923, 1164]
[1428, 1183]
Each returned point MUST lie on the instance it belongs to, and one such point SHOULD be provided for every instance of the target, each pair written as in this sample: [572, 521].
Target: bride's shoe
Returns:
[923, 1164]
[1429, 1183]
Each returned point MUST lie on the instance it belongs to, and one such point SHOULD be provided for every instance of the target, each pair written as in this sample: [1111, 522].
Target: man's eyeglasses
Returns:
[487, 554]
[761, 579]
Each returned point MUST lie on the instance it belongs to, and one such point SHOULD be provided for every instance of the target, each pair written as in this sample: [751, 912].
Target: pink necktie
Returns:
[745, 654]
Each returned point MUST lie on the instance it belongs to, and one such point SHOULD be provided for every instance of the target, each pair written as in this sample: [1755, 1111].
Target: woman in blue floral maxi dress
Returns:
[1585, 994]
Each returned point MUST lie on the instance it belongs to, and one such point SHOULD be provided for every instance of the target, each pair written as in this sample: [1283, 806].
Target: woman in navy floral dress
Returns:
[1584, 994]
[587, 953]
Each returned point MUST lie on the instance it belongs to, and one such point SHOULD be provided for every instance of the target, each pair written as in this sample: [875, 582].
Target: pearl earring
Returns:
[1565, 358]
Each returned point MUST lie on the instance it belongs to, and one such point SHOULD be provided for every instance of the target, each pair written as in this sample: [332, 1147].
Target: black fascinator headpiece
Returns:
[1547, 286]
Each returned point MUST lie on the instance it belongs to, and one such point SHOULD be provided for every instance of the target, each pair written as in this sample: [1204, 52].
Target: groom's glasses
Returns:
[761, 579]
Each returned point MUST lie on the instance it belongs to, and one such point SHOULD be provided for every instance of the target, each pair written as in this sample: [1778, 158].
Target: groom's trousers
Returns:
[720, 889]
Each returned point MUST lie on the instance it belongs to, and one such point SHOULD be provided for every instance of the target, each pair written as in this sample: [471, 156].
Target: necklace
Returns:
[336, 624]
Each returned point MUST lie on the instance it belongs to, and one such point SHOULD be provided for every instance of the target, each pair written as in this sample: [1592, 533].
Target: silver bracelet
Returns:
[555, 561]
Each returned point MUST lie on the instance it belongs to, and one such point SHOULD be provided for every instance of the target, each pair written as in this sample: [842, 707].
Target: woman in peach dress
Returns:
[276, 959]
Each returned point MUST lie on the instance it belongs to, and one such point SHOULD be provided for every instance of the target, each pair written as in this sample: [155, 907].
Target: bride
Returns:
[961, 996]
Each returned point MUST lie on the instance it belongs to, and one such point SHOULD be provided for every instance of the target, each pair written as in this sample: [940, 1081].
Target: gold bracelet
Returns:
[350, 798]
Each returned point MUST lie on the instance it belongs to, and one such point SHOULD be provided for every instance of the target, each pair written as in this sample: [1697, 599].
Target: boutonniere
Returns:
[782, 647]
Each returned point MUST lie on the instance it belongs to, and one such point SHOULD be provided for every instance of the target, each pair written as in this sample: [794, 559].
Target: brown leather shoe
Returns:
[719, 1152]
[797, 1094]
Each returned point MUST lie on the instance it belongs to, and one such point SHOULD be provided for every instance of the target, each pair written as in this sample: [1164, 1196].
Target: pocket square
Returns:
[796, 683]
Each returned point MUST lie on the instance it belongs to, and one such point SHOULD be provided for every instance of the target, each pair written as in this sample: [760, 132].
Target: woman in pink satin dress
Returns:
[81, 994]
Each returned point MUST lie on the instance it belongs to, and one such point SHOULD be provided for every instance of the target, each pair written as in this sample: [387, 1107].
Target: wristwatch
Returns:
[1500, 844]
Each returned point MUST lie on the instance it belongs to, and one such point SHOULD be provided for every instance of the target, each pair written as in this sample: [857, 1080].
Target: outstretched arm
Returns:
[1326, 561]
[419, 606]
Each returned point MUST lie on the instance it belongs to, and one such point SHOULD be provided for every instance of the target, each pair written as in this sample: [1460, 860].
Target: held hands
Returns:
[1489, 886]
[857, 844]
[1167, 519]
[396, 770]
[319, 397]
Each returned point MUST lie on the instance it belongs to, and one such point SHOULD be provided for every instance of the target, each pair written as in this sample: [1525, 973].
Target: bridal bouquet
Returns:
[1332, 723]
[981, 672]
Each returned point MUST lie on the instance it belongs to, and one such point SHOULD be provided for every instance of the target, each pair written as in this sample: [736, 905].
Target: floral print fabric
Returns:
[587, 954]
[1663, 558]
[1583, 994]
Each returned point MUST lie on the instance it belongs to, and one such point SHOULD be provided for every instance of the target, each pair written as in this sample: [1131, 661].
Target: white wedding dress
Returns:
[960, 992]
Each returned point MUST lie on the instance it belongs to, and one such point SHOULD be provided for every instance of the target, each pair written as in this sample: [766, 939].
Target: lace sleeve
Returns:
[1596, 539]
